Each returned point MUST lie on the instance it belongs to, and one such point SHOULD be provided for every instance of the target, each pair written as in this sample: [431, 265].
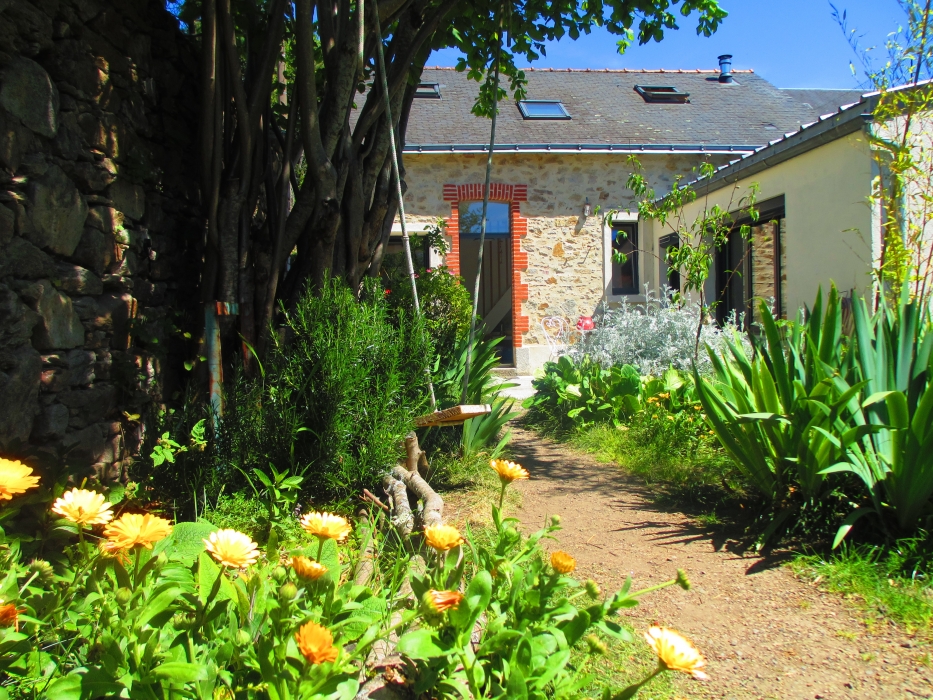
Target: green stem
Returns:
[468, 667]
[501, 497]
[653, 588]
[320, 548]
[633, 689]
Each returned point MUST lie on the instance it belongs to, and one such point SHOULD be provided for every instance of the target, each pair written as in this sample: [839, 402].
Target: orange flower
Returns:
[83, 507]
[563, 563]
[112, 550]
[136, 529]
[316, 643]
[675, 652]
[308, 568]
[442, 601]
[508, 471]
[9, 615]
[232, 548]
[15, 478]
[443, 537]
[326, 526]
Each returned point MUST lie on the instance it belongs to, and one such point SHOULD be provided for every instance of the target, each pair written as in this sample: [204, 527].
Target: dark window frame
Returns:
[631, 227]
[667, 274]
[662, 94]
[428, 91]
[772, 209]
[526, 115]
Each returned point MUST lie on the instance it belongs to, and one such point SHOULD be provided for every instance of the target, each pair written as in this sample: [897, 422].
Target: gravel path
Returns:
[765, 634]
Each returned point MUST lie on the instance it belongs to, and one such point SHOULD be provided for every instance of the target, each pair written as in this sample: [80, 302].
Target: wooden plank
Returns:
[452, 416]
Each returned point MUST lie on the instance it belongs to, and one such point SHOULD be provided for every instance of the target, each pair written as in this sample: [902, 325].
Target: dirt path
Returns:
[765, 634]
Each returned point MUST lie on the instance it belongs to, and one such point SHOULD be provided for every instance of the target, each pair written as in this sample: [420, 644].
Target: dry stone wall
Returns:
[98, 224]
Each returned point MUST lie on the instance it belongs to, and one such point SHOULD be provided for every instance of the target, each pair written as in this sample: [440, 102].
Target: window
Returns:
[429, 90]
[625, 274]
[662, 93]
[543, 109]
[497, 219]
[667, 274]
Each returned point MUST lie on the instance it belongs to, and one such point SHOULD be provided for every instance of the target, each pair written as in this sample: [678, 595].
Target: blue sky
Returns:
[792, 43]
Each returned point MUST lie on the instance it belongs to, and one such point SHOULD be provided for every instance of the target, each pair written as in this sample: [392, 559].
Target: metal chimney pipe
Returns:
[725, 68]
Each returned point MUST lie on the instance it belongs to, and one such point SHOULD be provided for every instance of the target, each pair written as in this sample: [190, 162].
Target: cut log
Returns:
[432, 505]
[400, 514]
[454, 415]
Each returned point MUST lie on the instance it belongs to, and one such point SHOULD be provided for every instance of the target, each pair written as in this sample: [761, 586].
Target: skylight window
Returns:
[429, 90]
[543, 109]
[662, 93]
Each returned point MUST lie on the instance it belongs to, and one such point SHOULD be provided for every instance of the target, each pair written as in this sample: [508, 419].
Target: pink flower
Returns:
[428, 269]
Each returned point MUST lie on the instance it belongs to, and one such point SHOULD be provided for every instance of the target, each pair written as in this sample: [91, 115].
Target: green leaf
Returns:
[478, 593]
[180, 672]
[422, 644]
[186, 541]
[84, 684]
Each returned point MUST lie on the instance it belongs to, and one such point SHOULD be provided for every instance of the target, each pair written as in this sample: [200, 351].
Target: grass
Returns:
[885, 583]
[624, 664]
[678, 462]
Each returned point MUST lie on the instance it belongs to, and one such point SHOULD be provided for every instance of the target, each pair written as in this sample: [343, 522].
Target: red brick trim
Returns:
[514, 195]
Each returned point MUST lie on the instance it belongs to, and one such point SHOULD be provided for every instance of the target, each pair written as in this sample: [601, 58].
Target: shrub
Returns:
[444, 299]
[330, 405]
[653, 336]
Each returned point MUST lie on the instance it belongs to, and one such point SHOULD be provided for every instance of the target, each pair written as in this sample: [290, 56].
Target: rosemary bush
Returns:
[653, 336]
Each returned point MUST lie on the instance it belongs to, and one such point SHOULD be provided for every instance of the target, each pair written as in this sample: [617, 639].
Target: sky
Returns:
[791, 43]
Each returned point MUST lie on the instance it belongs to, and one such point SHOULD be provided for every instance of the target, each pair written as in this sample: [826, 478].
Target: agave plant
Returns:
[782, 413]
[893, 421]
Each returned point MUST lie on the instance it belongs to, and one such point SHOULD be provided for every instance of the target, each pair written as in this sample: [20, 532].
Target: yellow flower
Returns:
[308, 568]
[442, 601]
[137, 529]
[670, 417]
[316, 643]
[9, 615]
[232, 548]
[326, 526]
[15, 478]
[665, 395]
[442, 537]
[563, 563]
[112, 550]
[83, 507]
[675, 652]
[508, 471]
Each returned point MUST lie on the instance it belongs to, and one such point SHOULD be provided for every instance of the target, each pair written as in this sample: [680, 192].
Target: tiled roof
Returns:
[606, 110]
[822, 101]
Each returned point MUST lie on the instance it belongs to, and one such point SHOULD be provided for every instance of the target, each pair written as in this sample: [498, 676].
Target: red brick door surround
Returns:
[513, 195]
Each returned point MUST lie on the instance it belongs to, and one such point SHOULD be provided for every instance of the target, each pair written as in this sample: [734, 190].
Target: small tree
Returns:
[902, 147]
[700, 237]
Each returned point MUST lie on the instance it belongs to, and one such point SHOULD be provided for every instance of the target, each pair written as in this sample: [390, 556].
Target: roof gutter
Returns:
[808, 138]
[623, 148]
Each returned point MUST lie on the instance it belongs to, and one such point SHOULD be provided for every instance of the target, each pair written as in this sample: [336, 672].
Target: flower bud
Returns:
[124, 595]
[181, 621]
[510, 535]
[243, 638]
[555, 520]
[429, 612]
[596, 645]
[42, 570]
[287, 592]
[279, 574]
[592, 589]
[505, 568]
[682, 579]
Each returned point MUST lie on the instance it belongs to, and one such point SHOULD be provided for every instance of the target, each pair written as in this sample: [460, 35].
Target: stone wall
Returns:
[567, 269]
[98, 223]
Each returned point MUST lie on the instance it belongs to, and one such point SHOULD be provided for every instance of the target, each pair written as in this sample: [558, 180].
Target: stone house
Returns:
[561, 164]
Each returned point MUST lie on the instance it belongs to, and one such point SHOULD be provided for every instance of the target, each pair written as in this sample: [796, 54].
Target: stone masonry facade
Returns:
[98, 225]
[559, 256]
